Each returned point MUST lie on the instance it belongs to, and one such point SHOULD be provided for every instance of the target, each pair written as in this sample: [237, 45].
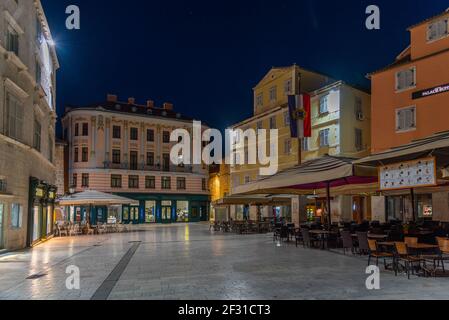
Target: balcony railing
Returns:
[156, 168]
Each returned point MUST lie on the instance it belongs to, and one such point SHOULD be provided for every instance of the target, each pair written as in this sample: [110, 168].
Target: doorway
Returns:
[166, 214]
[134, 215]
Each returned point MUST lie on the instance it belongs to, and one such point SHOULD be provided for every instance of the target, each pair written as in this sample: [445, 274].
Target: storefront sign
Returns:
[40, 192]
[431, 92]
[409, 174]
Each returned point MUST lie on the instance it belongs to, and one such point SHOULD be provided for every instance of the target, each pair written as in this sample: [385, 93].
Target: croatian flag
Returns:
[300, 116]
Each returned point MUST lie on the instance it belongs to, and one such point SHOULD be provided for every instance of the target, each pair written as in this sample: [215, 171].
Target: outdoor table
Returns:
[374, 236]
[323, 234]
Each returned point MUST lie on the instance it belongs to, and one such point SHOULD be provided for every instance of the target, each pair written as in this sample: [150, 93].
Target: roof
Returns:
[132, 109]
[399, 62]
[94, 198]
[312, 175]
[445, 12]
[436, 144]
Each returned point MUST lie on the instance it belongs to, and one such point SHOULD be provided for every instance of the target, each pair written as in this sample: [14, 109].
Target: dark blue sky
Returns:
[206, 56]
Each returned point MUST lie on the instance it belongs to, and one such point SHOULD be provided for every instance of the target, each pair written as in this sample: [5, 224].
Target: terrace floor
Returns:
[188, 262]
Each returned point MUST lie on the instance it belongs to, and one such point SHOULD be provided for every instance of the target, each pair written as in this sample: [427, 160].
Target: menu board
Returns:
[409, 174]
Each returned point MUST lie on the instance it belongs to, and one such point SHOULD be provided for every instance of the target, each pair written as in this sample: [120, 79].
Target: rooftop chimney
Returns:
[168, 106]
[112, 98]
[150, 104]
[131, 101]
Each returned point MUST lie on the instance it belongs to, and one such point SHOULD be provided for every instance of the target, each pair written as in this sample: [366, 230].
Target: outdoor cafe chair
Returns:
[308, 241]
[363, 242]
[348, 242]
[440, 256]
[402, 255]
[377, 254]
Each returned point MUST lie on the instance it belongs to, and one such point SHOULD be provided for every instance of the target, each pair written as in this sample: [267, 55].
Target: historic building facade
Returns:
[410, 101]
[341, 126]
[28, 65]
[124, 148]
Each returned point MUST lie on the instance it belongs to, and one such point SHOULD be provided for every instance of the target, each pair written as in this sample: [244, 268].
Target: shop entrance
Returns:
[2, 208]
[166, 214]
[134, 215]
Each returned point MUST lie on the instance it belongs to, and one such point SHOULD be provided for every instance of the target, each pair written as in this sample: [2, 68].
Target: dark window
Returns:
[181, 183]
[12, 41]
[85, 129]
[77, 129]
[133, 160]
[166, 183]
[85, 154]
[150, 159]
[133, 182]
[75, 155]
[150, 135]
[37, 135]
[75, 180]
[166, 137]
[204, 184]
[85, 180]
[116, 156]
[166, 162]
[134, 134]
[150, 182]
[116, 181]
[116, 132]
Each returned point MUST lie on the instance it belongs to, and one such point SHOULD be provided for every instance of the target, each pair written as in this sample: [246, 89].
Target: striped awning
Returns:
[313, 176]
[94, 198]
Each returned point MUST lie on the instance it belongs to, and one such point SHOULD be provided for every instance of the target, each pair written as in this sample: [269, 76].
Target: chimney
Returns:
[168, 106]
[112, 98]
[150, 104]
[131, 101]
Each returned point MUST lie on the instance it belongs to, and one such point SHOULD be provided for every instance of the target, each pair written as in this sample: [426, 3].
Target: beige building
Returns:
[340, 127]
[28, 65]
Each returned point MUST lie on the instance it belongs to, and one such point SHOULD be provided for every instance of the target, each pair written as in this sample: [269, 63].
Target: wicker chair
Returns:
[375, 253]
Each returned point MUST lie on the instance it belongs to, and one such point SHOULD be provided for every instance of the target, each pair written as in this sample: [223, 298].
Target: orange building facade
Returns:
[410, 98]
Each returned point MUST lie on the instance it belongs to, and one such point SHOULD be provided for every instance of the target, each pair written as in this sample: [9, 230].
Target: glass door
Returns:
[134, 215]
[1, 224]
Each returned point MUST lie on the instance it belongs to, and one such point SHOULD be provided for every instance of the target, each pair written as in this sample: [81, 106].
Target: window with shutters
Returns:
[287, 119]
[288, 147]
[15, 115]
[324, 138]
[324, 108]
[437, 30]
[37, 135]
[406, 119]
[273, 94]
[358, 139]
[259, 100]
[406, 79]
[288, 87]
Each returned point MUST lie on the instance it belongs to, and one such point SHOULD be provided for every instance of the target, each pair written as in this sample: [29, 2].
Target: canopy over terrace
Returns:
[320, 176]
[95, 198]
[254, 200]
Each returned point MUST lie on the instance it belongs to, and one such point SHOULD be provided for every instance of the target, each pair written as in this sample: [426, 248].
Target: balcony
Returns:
[145, 168]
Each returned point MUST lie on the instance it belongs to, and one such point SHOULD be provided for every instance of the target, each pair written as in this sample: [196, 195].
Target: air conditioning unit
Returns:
[360, 116]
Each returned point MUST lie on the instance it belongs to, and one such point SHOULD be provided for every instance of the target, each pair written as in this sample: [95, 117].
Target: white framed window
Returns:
[406, 119]
[406, 79]
[437, 30]
[287, 119]
[288, 147]
[16, 215]
[288, 87]
[305, 144]
[273, 94]
[324, 138]
[259, 100]
[358, 139]
[324, 108]
[15, 115]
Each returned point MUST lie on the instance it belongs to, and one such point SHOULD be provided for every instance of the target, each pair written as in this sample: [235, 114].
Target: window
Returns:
[359, 109]
[260, 125]
[166, 162]
[75, 180]
[133, 160]
[358, 139]
[38, 71]
[134, 134]
[288, 147]
[288, 87]
[116, 132]
[39, 34]
[77, 129]
[437, 30]
[259, 100]
[247, 179]
[85, 154]
[76, 155]
[85, 180]
[305, 144]
[150, 135]
[150, 159]
[133, 182]
[406, 119]
[116, 181]
[150, 182]
[273, 94]
[12, 41]
[166, 183]
[204, 184]
[166, 137]
[15, 114]
[116, 156]
[324, 108]
[85, 129]
[273, 123]
[2, 185]
[324, 138]
[406, 79]
[286, 119]
[37, 135]
[50, 148]
[16, 215]
[181, 183]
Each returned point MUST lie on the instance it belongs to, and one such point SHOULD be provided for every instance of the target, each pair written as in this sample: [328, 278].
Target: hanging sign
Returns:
[408, 174]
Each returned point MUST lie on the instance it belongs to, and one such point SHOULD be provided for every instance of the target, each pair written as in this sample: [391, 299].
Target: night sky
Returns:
[206, 56]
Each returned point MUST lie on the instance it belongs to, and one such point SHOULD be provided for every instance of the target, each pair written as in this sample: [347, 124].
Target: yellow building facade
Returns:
[341, 126]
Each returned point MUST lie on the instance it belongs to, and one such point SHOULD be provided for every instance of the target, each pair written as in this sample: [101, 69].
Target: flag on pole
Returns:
[299, 107]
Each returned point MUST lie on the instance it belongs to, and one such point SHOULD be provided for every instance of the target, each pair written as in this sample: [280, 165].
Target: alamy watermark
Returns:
[373, 281]
[73, 21]
[73, 281]
[373, 20]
